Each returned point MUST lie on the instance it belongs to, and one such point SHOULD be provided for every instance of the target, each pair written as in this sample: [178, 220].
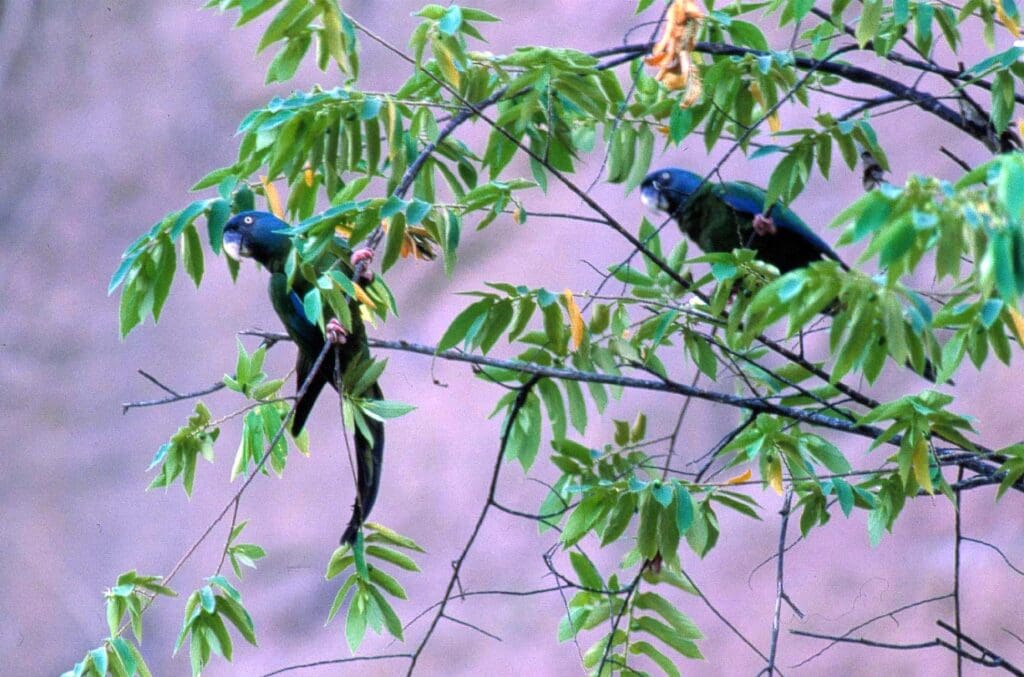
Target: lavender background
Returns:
[109, 113]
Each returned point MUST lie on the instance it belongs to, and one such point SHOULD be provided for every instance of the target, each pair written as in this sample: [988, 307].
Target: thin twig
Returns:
[1017, 570]
[845, 635]
[718, 614]
[958, 507]
[177, 397]
[986, 654]
[780, 588]
[337, 661]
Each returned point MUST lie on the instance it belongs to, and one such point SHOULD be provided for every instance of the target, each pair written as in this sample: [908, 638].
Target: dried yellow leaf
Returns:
[673, 53]
[1018, 324]
[741, 478]
[273, 199]
[922, 473]
[775, 476]
[363, 298]
[575, 319]
[1006, 20]
[773, 120]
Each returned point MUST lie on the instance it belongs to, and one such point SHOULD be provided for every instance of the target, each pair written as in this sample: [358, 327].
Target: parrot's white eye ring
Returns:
[247, 220]
[665, 176]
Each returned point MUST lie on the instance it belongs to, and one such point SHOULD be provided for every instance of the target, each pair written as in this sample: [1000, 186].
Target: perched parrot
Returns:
[721, 217]
[258, 235]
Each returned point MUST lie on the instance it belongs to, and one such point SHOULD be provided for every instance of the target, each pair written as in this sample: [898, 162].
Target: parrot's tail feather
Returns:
[369, 462]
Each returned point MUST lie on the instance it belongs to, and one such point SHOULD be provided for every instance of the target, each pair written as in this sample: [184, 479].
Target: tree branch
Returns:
[923, 100]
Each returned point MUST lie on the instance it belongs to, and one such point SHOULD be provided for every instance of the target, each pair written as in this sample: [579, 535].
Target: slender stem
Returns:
[780, 588]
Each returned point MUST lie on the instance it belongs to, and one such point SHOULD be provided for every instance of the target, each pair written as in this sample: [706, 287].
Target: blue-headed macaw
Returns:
[720, 217]
[261, 236]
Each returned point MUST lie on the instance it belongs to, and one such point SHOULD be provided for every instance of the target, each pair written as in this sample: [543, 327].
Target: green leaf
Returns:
[684, 509]
[192, 253]
[867, 27]
[661, 660]
[587, 572]
[216, 217]
[457, 330]
[384, 409]
[583, 518]
[387, 582]
[286, 62]
[284, 19]
[679, 621]
[668, 635]
[355, 621]
[392, 556]
[395, 239]
[313, 306]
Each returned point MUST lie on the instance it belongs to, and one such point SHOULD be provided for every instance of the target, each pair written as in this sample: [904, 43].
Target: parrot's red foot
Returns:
[336, 333]
[361, 255]
[763, 225]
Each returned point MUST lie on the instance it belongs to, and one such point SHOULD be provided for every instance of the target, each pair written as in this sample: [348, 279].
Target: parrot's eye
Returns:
[664, 177]
[247, 220]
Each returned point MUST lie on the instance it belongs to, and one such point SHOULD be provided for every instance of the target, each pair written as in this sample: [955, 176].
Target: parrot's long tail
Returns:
[369, 462]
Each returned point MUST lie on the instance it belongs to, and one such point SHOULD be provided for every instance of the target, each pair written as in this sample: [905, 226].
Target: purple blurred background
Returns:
[110, 111]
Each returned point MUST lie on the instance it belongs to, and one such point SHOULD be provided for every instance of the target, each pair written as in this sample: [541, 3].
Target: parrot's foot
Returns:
[361, 255]
[763, 225]
[336, 333]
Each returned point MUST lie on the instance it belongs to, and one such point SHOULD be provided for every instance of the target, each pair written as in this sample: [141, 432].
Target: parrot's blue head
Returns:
[665, 190]
[257, 235]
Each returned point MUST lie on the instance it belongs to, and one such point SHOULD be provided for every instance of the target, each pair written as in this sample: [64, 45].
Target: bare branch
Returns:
[780, 588]
[337, 661]
[458, 621]
[1017, 570]
[988, 657]
[718, 614]
[175, 397]
[845, 636]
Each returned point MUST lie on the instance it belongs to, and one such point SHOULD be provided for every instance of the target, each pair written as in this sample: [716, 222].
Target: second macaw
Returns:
[721, 217]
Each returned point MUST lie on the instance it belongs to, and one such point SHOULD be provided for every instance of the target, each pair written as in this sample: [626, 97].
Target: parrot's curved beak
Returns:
[653, 198]
[233, 244]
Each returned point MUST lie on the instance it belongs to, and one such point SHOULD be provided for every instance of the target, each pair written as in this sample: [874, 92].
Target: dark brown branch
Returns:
[1006, 560]
[923, 100]
[957, 542]
[753, 404]
[176, 397]
[869, 642]
[988, 657]
[780, 588]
